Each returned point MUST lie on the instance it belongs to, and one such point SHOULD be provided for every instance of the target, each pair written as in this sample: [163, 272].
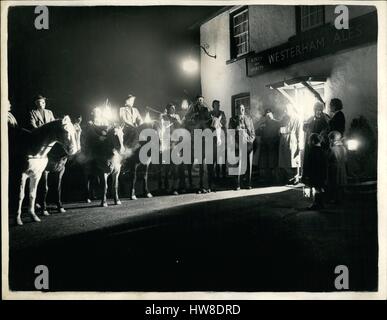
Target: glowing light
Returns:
[147, 118]
[353, 145]
[190, 65]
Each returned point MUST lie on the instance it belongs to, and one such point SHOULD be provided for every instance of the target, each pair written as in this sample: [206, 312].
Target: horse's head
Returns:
[116, 135]
[68, 136]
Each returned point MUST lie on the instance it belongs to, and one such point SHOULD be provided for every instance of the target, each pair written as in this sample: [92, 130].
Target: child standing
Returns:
[318, 170]
[337, 171]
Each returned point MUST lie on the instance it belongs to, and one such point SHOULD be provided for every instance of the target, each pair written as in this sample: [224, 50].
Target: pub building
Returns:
[269, 56]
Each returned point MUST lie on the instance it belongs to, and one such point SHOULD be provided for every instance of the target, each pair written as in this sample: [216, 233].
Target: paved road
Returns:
[251, 240]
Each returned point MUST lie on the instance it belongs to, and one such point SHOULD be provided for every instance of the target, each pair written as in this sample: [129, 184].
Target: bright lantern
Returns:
[190, 65]
[352, 144]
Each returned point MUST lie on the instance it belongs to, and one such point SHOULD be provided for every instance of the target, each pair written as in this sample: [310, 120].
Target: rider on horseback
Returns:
[129, 115]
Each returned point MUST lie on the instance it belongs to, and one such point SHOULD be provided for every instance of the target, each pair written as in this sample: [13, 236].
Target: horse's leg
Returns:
[59, 191]
[181, 172]
[190, 168]
[103, 178]
[166, 176]
[115, 176]
[160, 172]
[44, 183]
[23, 180]
[34, 180]
[175, 178]
[133, 178]
[87, 181]
[145, 182]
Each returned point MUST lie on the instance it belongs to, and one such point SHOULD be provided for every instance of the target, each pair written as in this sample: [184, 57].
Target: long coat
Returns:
[268, 155]
[37, 120]
[337, 122]
[337, 171]
[319, 126]
[289, 156]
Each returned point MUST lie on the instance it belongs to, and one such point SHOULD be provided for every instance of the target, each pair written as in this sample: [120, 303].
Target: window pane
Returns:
[239, 30]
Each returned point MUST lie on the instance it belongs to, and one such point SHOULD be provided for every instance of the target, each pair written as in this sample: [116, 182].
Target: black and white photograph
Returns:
[198, 149]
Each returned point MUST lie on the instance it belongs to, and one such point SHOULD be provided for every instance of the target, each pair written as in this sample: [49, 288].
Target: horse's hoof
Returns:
[133, 198]
[61, 210]
[46, 213]
[19, 221]
[104, 204]
[88, 201]
[149, 195]
[118, 202]
[36, 218]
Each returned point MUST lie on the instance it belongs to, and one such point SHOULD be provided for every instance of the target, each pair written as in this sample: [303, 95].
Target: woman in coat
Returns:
[337, 122]
[319, 124]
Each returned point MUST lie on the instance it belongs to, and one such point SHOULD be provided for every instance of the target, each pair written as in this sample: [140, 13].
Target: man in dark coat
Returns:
[243, 124]
[337, 122]
[270, 137]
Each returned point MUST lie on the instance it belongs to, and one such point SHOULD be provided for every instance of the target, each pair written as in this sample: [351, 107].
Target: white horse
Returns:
[35, 148]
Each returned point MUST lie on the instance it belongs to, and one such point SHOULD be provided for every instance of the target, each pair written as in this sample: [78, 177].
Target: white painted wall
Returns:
[352, 74]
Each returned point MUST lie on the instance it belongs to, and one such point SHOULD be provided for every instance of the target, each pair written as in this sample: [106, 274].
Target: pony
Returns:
[102, 156]
[33, 159]
[132, 159]
[57, 160]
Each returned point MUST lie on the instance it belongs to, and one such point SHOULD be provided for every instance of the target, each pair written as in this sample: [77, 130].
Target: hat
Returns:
[130, 96]
[40, 97]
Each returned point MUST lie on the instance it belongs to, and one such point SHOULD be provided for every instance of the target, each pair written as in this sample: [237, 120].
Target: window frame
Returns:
[233, 46]
[298, 13]
[237, 97]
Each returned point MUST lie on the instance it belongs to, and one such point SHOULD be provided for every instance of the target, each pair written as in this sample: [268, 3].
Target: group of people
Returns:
[322, 165]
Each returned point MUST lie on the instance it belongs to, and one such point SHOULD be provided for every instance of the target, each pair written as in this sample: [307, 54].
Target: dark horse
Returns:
[132, 158]
[32, 157]
[57, 159]
[102, 156]
[202, 121]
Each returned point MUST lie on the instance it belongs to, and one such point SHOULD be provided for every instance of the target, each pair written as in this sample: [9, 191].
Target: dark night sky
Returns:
[93, 53]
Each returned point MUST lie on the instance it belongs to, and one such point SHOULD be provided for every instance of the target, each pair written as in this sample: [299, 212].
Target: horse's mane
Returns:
[46, 128]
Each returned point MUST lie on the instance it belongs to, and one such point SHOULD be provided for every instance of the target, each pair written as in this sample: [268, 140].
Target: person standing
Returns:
[129, 114]
[218, 124]
[197, 117]
[317, 173]
[337, 169]
[318, 124]
[243, 124]
[268, 155]
[170, 120]
[289, 146]
[337, 122]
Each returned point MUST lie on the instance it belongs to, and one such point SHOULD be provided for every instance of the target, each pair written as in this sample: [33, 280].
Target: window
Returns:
[309, 17]
[239, 31]
[237, 100]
